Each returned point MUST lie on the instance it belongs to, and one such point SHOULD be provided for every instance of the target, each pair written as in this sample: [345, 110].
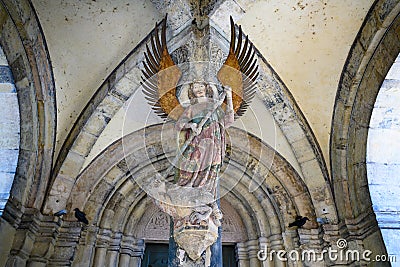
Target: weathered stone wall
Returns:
[9, 131]
[383, 159]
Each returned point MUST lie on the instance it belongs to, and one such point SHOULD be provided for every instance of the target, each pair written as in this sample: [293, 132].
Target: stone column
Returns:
[291, 241]
[8, 233]
[248, 253]
[83, 255]
[100, 256]
[103, 239]
[276, 244]
[242, 255]
[132, 251]
[113, 250]
[23, 240]
[253, 248]
[136, 261]
[264, 249]
[124, 260]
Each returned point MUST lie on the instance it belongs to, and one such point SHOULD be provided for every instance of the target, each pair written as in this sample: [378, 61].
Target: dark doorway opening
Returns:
[156, 255]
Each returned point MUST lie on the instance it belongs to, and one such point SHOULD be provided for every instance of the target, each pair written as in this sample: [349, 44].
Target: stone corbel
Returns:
[46, 237]
[34, 239]
[67, 241]
[13, 212]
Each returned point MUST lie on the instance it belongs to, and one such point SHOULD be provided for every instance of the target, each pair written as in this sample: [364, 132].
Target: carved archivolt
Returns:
[154, 225]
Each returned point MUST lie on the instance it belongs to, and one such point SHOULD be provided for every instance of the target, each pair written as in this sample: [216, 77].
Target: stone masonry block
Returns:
[134, 75]
[392, 41]
[19, 69]
[346, 82]
[382, 61]
[84, 143]
[110, 105]
[398, 32]
[384, 8]
[356, 56]
[292, 130]
[102, 191]
[303, 150]
[126, 86]
[32, 31]
[114, 175]
[282, 113]
[96, 123]
[116, 75]
[26, 163]
[72, 165]
[312, 173]
[368, 32]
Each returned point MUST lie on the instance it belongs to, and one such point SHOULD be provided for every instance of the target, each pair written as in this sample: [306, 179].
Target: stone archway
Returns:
[24, 46]
[372, 54]
[115, 203]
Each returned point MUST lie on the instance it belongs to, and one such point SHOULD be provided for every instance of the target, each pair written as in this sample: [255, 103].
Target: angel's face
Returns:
[199, 90]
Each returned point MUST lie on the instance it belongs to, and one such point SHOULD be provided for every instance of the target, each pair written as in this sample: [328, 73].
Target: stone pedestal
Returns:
[177, 257]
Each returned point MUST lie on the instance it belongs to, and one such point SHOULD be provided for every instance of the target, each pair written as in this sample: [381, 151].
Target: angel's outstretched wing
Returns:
[240, 71]
[161, 76]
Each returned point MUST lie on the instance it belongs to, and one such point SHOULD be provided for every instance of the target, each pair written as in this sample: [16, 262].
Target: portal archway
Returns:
[116, 203]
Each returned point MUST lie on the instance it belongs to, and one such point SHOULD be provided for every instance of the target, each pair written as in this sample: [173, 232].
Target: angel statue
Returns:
[201, 127]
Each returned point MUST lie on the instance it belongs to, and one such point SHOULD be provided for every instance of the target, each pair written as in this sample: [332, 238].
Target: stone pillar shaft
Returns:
[100, 256]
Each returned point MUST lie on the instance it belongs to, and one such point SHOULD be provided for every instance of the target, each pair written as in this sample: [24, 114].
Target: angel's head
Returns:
[200, 89]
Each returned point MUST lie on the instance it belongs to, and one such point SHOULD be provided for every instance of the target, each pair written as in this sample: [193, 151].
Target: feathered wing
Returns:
[240, 71]
[161, 77]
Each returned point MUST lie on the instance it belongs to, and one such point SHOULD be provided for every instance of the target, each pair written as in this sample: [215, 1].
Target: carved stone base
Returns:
[195, 239]
[211, 257]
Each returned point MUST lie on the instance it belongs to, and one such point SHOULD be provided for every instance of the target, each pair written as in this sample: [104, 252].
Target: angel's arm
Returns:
[183, 121]
[229, 113]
